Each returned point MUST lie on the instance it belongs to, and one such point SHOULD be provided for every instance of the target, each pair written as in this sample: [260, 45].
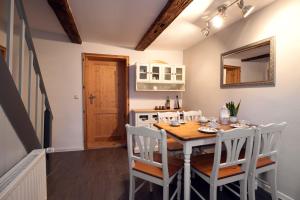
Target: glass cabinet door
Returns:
[168, 73]
[155, 72]
[179, 74]
[143, 72]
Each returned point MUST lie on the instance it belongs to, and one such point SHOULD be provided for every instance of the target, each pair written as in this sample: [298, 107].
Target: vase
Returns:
[233, 119]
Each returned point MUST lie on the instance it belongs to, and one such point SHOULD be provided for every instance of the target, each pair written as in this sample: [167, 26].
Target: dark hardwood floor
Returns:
[103, 175]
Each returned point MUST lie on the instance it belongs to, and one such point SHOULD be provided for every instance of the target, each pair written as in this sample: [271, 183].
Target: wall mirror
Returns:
[251, 65]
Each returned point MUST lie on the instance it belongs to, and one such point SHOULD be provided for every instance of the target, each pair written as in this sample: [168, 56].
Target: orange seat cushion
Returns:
[204, 164]
[173, 145]
[174, 165]
[265, 161]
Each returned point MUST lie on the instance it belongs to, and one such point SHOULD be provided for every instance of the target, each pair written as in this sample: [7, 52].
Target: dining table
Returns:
[189, 136]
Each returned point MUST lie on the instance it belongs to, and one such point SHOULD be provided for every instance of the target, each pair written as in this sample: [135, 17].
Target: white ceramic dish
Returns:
[237, 125]
[182, 122]
[207, 130]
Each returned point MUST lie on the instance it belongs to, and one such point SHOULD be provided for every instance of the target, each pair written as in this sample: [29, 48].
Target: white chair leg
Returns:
[150, 187]
[243, 189]
[273, 183]
[213, 192]
[166, 192]
[131, 187]
[251, 187]
[179, 184]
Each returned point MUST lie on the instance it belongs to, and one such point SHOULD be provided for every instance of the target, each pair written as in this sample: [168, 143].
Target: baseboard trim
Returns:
[281, 195]
[55, 150]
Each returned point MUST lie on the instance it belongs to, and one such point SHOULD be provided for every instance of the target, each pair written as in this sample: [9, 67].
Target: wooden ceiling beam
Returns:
[172, 9]
[64, 14]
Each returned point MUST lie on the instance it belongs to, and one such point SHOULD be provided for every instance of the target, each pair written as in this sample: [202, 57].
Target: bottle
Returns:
[167, 105]
[224, 115]
[177, 106]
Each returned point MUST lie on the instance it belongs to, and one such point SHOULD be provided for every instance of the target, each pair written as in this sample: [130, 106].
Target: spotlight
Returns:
[205, 31]
[246, 10]
[217, 21]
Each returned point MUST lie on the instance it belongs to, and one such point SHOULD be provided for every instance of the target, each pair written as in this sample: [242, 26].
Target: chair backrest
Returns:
[146, 140]
[233, 140]
[167, 117]
[192, 115]
[266, 142]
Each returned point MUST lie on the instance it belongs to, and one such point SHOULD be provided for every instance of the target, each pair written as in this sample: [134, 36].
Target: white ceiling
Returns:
[123, 22]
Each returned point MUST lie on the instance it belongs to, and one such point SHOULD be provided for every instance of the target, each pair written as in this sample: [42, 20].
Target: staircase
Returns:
[23, 95]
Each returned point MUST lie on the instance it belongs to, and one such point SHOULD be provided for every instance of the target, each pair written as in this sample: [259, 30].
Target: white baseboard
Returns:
[281, 195]
[54, 150]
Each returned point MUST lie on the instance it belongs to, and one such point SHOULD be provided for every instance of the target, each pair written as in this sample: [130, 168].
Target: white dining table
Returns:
[189, 136]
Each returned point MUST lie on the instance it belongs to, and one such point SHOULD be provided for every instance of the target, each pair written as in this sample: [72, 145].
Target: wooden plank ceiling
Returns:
[172, 9]
[64, 14]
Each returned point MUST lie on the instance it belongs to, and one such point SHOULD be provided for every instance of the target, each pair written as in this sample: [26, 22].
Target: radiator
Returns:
[26, 180]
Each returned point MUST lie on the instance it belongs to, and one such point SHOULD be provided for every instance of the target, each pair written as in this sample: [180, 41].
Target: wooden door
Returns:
[233, 74]
[105, 101]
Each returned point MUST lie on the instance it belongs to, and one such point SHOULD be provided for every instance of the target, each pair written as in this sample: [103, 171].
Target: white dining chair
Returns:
[264, 157]
[166, 117]
[192, 115]
[227, 166]
[151, 166]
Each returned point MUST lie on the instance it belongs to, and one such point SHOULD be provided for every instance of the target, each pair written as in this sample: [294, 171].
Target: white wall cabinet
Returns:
[160, 77]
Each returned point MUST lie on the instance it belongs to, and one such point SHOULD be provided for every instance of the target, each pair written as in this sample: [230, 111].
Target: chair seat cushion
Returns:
[173, 145]
[263, 162]
[174, 165]
[204, 164]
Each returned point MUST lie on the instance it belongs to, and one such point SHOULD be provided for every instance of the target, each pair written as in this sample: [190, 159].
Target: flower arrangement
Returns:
[233, 109]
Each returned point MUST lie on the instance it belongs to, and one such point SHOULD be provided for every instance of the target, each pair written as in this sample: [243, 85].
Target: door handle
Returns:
[91, 97]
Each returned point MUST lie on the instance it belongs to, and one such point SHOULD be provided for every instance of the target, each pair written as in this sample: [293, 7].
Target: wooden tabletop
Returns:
[188, 131]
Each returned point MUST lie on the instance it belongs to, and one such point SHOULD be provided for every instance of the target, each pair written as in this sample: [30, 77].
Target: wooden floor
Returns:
[103, 174]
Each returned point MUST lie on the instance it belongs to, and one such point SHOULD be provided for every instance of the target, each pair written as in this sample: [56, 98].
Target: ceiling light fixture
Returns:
[217, 20]
[246, 10]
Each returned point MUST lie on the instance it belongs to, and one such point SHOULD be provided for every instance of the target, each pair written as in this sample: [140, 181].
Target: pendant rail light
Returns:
[217, 20]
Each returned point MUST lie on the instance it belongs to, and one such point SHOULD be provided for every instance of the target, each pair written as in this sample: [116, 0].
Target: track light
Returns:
[218, 20]
[205, 31]
[246, 10]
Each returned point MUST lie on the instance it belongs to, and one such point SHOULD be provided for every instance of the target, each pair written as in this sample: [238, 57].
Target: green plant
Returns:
[232, 108]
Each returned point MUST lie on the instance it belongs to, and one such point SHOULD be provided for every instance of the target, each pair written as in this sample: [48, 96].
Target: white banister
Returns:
[42, 119]
[36, 100]
[21, 52]
[10, 35]
[29, 80]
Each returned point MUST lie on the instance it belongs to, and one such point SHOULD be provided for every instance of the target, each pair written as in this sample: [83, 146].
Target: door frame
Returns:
[104, 57]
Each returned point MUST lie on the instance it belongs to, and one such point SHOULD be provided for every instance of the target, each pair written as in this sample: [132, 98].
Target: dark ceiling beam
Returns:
[172, 9]
[64, 14]
[256, 58]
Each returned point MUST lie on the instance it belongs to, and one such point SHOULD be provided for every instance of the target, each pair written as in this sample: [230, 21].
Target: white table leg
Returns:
[187, 171]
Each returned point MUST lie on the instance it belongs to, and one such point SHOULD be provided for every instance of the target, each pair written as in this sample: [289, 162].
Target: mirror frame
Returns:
[272, 71]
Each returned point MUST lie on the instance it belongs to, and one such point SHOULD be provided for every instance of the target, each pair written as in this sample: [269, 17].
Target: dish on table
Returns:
[205, 129]
[239, 125]
[182, 122]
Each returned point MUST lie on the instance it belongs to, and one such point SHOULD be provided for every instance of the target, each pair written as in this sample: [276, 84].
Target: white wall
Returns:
[61, 67]
[260, 104]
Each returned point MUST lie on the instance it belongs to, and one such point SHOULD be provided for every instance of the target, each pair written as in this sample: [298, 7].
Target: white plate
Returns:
[237, 125]
[175, 125]
[207, 130]
[182, 122]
